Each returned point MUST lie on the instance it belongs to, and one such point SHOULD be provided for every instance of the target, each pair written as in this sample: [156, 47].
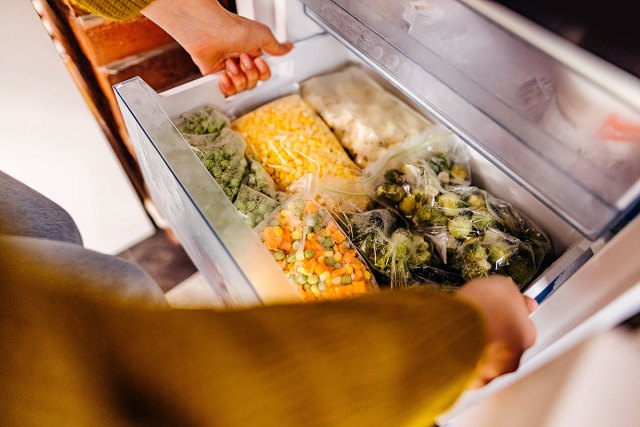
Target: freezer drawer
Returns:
[224, 249]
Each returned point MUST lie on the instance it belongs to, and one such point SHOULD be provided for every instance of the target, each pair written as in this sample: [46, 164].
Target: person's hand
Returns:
[219, 40]
[510, 330]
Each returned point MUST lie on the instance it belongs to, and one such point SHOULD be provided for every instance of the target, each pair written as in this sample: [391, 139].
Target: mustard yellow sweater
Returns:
[115, 10]
[72, 357]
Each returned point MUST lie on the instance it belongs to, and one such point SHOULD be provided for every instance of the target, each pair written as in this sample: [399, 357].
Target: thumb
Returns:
[274, 47]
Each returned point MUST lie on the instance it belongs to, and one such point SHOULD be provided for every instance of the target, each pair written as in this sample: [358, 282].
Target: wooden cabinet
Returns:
[99, 53]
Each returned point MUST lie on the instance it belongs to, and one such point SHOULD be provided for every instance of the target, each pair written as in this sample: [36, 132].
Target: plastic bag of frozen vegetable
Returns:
[367, 119]
[290, 140]
[205, 120]
[253, 205]
[314, 252]
[259, 179]
[485, 235]
[398, 256]
[427, 163]
[223, 156]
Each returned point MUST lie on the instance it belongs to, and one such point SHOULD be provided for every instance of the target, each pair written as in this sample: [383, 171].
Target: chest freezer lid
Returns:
[557, 130]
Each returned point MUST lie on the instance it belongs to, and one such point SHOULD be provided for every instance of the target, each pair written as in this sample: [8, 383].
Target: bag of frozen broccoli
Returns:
[314, 253]
[367, 119]
[223, 156]
[204, 120]
[253, 205]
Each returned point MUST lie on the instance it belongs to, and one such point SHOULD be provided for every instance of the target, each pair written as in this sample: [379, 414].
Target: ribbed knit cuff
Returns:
[113, 10]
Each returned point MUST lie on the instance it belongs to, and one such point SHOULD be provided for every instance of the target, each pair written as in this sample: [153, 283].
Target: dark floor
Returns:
[162, 259]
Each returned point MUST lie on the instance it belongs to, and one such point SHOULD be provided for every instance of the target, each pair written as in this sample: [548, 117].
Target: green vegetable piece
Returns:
[440, 162]
[346, 279]
[390, 192]
[477, 202]
[499, 254]
[394, 176]
[330, 261]
[459, 173]
[460, 227]
[301, 279]
[482, 220]
[429, 216]
[408, 205]
[313, 279]
[278, 255]
[450, 204]
[520, 269]
[309, 253]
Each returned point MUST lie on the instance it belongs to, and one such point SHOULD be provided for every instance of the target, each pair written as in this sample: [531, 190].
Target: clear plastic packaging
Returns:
[399, 256]
[314, 252]
[205, 120]
[367, 119]
[223, 156]
[468, 228]
[259, 179]
[253, 205]
[290, 140]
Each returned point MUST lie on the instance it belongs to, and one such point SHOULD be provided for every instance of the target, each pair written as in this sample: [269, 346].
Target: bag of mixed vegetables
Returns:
[290, 140]
[314, 253]
[223, 156]
[367, 119]
[204, 120]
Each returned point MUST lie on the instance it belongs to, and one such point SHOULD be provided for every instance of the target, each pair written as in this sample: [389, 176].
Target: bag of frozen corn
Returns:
[314, 253]
[367, 119]
[223, 156]
[291, 140]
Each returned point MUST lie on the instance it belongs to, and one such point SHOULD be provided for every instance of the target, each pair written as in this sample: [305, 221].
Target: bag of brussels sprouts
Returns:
[437, 150]
[394, 253]
[486, 235]
[223, 156]
[253, 205]
[204, 120]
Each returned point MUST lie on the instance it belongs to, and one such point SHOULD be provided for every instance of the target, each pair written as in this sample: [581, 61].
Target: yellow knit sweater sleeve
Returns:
[395, 358]
[115, 10]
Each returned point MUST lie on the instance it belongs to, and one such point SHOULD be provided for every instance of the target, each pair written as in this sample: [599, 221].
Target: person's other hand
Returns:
[510, 330]
[219, 40]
